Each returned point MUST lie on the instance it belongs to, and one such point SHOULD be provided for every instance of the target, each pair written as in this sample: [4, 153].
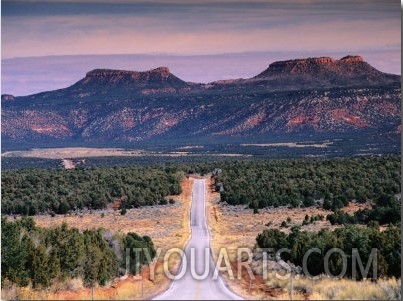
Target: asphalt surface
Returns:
[196, 279]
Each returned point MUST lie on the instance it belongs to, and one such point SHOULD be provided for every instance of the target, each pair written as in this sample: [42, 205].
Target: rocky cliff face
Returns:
[159, 75]
[304, 97]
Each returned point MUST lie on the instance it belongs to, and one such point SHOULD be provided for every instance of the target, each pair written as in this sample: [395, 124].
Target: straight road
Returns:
[195, 280]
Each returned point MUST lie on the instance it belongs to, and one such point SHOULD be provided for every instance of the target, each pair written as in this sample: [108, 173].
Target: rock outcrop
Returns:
[159, 80]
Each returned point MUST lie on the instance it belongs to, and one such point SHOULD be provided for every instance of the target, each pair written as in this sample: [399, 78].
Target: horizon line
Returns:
[173, 54]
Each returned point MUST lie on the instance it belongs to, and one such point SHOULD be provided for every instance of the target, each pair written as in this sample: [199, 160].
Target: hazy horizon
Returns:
[43, 41]
[51, 27]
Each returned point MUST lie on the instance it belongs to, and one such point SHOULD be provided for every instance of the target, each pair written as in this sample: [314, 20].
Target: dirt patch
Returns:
[353, 207]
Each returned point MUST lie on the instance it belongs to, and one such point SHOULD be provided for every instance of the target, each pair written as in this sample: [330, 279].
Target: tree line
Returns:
[385, 210]
[330, 183]
[33, 191]
[36, 255]
[387, 244]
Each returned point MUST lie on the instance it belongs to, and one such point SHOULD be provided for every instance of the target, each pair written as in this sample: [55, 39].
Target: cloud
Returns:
[31, 28]
[108, 34]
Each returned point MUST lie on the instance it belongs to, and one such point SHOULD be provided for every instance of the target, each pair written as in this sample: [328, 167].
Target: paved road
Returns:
[187, 287]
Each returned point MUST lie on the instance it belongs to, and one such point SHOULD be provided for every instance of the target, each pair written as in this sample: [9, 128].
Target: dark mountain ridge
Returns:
[303, 98]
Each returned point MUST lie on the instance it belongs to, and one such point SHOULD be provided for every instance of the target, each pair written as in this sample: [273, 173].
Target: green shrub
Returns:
[163, 202]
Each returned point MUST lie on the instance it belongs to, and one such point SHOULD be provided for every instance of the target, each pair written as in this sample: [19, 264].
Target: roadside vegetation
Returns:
[236, 226]
[38, 256]
[167, 226]
[364, 239]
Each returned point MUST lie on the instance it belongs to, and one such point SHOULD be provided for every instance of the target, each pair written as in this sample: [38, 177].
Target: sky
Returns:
[179, 29]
